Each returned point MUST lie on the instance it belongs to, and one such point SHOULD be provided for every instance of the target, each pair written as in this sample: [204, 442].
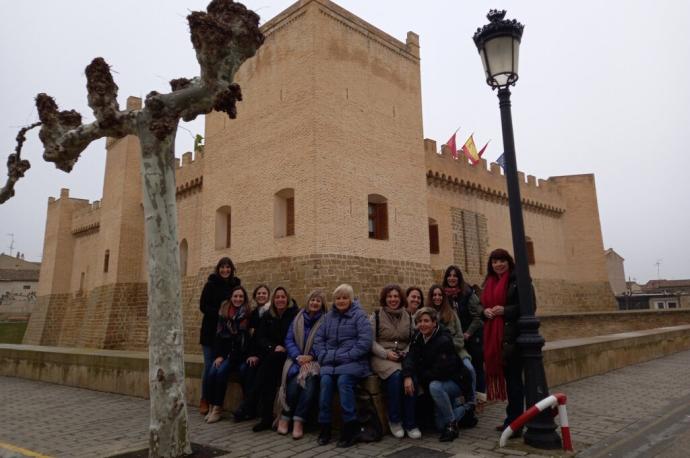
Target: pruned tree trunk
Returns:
[224, 37]
[168, 427]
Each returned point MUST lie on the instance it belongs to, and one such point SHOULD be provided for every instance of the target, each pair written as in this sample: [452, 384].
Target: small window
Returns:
[284, 213]
[672, 305]
[106, 261]
[27, 286]
[184, 249]
[223, 227]
[660, 305]
[82, 278]
[433, 237]
[377, 217]
[530, 251]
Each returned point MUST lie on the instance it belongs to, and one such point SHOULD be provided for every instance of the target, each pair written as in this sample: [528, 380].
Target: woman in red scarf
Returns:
[502, 359]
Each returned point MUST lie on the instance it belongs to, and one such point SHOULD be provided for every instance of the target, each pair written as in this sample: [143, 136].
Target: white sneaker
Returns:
[414, 433]
[396, 430]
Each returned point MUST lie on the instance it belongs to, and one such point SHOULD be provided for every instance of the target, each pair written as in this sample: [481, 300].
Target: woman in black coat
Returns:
[269, 348]
[216, 290]
[432, 362]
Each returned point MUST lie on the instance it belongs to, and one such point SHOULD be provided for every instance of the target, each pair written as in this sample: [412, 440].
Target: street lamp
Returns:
[498, 44]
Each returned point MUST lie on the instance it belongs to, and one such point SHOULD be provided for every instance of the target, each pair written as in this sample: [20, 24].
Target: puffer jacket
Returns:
[216, 290]
[343, 342]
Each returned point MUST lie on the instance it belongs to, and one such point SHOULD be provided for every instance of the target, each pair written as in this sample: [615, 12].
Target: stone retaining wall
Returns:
[126, 372]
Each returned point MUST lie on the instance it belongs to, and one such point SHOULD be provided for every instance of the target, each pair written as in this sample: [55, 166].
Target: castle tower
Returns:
[329, 140]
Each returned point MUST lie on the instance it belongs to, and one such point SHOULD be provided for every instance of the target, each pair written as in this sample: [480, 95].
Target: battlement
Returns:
[488, 181]
[189, 173]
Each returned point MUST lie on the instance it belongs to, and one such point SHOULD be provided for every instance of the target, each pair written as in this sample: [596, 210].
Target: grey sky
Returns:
[603, 88]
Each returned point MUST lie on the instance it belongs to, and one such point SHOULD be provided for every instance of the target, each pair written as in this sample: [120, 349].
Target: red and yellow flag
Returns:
[469, 149]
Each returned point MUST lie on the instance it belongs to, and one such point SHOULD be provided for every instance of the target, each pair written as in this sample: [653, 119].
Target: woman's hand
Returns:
[488, 312]
[392, 356]
[466, 336]
[253, 361]
[498, 310]
[409, 386]
[217, 362]
[279, 349]
[304, 359]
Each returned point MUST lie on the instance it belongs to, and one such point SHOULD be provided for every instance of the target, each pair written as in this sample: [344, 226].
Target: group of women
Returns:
[440, 361]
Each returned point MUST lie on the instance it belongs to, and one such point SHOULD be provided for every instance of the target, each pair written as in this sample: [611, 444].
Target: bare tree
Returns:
[224, 37]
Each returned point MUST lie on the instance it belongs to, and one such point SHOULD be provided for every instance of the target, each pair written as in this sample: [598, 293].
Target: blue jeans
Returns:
[395, 396]
[300, 399]
[217, 381]
[346, 392]
[471, 397]
[209, 356]
[447, 407]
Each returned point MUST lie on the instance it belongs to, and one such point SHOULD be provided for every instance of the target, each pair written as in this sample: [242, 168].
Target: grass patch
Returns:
[12, 332]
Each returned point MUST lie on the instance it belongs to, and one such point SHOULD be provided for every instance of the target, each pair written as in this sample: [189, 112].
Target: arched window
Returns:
[530, 250]
[433, 237]
[184, 250]
[106, 261]
[223, 227]
[284, 213]
[377, 211]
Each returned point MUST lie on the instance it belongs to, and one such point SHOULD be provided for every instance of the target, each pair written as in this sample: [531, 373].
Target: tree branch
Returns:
[16, 166]
[64, 136]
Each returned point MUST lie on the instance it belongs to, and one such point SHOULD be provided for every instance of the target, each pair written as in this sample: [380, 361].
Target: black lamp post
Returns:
[499, 44]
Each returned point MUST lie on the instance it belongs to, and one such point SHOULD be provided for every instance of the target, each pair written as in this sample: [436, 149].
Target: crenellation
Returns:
[531, 181]
[495, 169]
[521, 177]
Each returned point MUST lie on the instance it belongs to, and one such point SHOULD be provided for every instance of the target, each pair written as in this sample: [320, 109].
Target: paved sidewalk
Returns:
[61, 421]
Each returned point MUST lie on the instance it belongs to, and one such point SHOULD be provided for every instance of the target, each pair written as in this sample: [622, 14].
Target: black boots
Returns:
[450, 433]
[349, 434]
[324, 434]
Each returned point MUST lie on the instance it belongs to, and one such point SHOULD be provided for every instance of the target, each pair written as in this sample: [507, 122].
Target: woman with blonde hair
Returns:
[342, 346]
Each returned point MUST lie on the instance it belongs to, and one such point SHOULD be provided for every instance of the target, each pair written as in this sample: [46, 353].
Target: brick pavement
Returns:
[62, 421]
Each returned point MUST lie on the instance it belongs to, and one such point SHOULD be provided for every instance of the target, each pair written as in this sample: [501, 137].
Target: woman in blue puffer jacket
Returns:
[342, 346]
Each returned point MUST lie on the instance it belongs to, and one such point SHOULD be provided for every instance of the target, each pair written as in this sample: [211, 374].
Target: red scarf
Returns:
[494, 293]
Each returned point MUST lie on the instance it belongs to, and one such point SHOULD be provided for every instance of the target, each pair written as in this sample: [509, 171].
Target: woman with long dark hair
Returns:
[216, 290]
[269, 347]
[465, 302]
[449, 319]
[501, 312]
[230, 346]
[415, 299]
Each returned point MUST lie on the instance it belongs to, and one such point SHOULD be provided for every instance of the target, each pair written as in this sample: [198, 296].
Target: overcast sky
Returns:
[603, 89]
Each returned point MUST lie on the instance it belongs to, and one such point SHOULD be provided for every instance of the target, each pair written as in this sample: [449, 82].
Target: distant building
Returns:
[614, 266]
[655, 294]
[18, 279]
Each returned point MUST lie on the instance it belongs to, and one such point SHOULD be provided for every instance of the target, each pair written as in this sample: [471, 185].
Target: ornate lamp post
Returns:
[499, 44]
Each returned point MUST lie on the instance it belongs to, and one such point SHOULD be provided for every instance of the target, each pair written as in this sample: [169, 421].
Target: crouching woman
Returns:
[432, 361]
[342, 347]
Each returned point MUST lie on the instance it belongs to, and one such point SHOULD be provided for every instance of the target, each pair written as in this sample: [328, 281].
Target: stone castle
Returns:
[323, 178]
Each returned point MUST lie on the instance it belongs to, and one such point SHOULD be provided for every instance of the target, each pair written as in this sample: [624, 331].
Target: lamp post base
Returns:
[541, 434]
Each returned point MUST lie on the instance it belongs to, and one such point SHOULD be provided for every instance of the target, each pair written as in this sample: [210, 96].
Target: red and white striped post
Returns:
[548, 402]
